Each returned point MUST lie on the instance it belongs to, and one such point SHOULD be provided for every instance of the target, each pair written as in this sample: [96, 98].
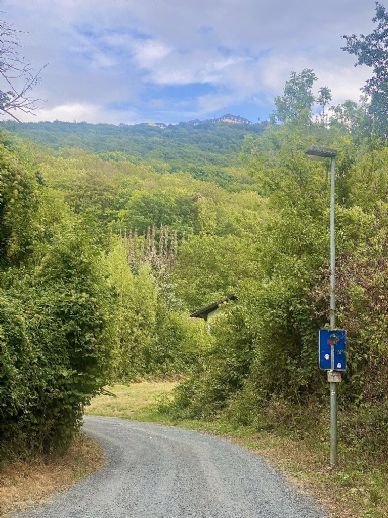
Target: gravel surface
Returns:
[157, 471]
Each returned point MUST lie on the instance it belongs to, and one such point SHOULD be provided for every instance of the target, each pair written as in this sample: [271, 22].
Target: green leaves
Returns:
[262, 360]
[18, 203]
[296, 103]
[372, 50]
[54, 351]
[150, 336]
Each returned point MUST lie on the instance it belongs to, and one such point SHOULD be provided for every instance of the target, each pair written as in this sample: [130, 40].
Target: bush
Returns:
[54, 350]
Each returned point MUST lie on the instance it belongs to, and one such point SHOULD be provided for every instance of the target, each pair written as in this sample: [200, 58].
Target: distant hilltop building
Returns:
[225, 119]
[195, 122]
[157, 124]
[231, 119]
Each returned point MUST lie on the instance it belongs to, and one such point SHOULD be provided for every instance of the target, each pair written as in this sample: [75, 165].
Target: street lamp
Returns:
[332, 376]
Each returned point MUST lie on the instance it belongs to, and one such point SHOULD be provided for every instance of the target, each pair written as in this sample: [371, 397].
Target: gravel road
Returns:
[157, 471]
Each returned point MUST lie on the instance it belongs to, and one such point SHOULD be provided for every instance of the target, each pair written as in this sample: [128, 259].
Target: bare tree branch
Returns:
[17, 78]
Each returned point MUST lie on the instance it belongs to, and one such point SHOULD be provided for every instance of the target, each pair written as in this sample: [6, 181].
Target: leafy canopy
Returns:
[372, 50]
[296, 102]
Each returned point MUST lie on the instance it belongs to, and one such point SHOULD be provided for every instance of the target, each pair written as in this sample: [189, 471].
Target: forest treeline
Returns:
[184, 144]
[104, 255]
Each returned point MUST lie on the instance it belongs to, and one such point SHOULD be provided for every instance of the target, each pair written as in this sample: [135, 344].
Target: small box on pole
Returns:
[334, 377]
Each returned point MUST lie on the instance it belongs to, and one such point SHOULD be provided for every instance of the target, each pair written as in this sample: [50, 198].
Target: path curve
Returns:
[155, 471]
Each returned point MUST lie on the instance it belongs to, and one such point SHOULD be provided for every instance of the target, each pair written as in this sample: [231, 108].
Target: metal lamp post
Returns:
[333, 376]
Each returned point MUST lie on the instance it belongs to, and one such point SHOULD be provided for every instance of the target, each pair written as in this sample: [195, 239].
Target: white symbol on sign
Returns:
[339, 365]
[327, 356]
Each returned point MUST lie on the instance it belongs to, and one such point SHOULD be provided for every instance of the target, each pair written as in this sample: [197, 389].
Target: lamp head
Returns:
[324, 152]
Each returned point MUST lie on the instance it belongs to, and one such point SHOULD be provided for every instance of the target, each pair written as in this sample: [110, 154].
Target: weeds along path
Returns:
[155, 471]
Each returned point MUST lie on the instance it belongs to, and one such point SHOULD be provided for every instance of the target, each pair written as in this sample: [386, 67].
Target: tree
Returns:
[350, 116]
[372, 51]
[18, 208]
[16, 76]
[296, 103]
[323, 100]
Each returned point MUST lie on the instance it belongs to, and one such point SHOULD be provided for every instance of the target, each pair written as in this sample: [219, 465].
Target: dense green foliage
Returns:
[110, 256]
[372, 50]
[262, 367]
[53, 319]
[111, 236]
[152, 336]
[199, 144]
[297, 99]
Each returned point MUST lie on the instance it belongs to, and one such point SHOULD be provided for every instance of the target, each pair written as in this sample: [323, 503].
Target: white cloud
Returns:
[79, 112]
[214, 102]
[103, 53]
[148, 53]
[180, 68]
[342, 78]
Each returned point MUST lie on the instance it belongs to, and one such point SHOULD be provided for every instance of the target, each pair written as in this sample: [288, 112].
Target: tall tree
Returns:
[297, 100]
[324, 97]
[351, 116]
[372, 50]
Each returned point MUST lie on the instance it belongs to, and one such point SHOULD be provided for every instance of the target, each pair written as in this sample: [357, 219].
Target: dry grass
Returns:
[24, 484]
[342, 492]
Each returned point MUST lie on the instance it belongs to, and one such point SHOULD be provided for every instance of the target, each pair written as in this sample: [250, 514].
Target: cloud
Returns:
[78, 112]
[126, 53]
[344, 81]
[149, 53]
[185, 69]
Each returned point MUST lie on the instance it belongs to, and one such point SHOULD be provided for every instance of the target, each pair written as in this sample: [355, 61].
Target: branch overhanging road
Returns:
[155, 471]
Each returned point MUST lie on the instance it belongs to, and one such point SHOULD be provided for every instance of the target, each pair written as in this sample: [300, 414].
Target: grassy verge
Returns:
[23, 484]
[136, 401]
[351, 490]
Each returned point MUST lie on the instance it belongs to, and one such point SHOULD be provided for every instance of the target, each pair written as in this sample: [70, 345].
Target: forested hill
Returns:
[216, 141]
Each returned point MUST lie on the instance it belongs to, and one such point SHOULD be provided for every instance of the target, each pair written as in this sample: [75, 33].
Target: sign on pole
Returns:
[332, 349]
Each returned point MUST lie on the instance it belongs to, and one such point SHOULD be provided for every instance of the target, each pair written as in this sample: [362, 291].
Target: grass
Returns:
[23, 484]
[352, 490]
[136, 401]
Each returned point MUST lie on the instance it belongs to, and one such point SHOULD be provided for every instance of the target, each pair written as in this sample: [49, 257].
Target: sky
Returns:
[131, 61]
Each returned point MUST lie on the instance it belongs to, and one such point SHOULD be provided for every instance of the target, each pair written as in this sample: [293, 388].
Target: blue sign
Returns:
[332, 349]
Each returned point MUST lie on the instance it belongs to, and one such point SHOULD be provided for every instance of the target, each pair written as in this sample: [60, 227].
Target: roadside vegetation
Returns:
[27, 483]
